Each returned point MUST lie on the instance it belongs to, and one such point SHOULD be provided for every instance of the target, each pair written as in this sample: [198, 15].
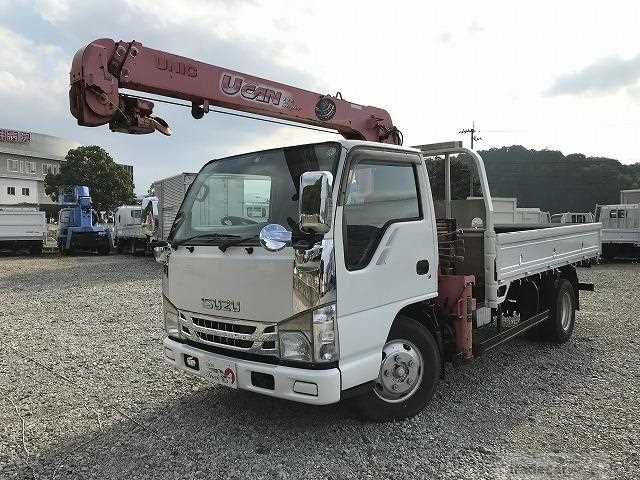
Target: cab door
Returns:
[386, 252]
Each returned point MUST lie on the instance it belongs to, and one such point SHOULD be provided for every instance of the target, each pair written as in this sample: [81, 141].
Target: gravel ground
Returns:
[86, 395]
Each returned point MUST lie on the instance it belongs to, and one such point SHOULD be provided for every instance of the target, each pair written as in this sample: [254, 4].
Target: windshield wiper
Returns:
[235, 241]
[206, 235]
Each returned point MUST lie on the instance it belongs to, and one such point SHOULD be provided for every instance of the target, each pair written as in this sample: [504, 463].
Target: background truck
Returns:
[127, 229]
[78, 227]
[630, 196]
[620, 229]
[535, 216]
[572, 217]
[169, 192]
[23, 228]
[136, 226]
[506, 211]
[359, 284]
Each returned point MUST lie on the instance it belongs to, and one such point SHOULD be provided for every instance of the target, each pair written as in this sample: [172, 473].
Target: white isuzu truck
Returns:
[335, 273]
[356, 284]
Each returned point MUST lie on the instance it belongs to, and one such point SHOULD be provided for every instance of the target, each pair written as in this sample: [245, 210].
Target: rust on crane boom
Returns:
[104, 67]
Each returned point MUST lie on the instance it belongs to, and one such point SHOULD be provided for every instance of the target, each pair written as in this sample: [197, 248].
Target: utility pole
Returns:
[472, 132]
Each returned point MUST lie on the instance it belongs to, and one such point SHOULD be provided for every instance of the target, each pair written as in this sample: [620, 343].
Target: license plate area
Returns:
[220, 372]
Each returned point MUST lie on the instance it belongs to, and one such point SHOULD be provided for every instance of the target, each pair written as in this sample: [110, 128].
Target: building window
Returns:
[51, 168]
[11, 190]
[30, 167]
[13, 165]
[25, 192]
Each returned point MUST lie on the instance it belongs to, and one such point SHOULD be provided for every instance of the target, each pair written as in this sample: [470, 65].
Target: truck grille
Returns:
[233, 334]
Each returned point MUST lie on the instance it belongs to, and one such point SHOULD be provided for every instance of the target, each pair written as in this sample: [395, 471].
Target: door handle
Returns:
[422, 267]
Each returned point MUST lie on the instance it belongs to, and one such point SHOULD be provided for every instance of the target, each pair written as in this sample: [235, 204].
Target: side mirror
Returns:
[314, 204]
[274, 237]
[161, 251]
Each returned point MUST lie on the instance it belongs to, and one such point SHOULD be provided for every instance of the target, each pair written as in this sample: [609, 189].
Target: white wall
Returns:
[18, 184]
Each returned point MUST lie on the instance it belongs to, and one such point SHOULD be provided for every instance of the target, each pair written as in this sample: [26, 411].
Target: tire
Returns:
[609, 252]
[118, 246]
[413, 343]
[104, 249]
[562, 316]
[36, 249]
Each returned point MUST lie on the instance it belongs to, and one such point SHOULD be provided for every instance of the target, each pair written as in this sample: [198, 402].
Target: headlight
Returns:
[295, 346]
[311, 337]
[171, 318]
[325, 334]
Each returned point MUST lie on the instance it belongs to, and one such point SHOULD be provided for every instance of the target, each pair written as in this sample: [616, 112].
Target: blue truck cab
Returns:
[78, 227]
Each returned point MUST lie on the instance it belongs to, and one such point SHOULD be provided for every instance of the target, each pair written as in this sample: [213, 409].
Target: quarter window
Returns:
[25, 192]
[377, 195]
[11, 190]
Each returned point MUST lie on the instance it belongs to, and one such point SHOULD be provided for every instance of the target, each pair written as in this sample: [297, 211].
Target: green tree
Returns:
[109, 184]
[461, 167]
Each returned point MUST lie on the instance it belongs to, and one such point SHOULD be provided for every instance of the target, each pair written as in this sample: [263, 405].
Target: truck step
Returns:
[482, 343]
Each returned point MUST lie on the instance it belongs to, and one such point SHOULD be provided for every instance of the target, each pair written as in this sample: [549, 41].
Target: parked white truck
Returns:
[506, 211]
[630, 196]
[620, 229]
[341, 291]
[572, 217]
[529, 215]
[135, 227]
[23, 228]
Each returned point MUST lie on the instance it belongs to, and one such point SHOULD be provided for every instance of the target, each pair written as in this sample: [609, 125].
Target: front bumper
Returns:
[327, 381]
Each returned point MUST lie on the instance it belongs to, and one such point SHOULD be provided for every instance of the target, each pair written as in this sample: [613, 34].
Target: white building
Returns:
[25, 159]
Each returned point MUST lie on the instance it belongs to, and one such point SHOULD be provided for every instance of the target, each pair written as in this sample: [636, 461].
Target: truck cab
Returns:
[351, 282]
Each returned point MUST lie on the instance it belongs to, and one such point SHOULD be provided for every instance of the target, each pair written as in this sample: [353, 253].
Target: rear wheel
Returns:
[36, 249]
[562, 316]
[609, 252]
[408, 373]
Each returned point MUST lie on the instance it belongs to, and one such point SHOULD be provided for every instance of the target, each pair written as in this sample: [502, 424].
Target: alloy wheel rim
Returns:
[400, 373]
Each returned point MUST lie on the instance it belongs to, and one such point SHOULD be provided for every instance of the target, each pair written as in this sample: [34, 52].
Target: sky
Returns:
[545, 74]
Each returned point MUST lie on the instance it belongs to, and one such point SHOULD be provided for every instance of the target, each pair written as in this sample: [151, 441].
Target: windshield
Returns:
[235, 197]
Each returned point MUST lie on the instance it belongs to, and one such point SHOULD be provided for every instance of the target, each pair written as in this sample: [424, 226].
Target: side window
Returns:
[613, 214]
[377, 195]
[622, 213]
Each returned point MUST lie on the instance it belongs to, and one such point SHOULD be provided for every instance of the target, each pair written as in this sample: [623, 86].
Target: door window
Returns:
[377, 195]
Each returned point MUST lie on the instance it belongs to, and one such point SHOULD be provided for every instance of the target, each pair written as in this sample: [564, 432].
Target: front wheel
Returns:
[408, 375]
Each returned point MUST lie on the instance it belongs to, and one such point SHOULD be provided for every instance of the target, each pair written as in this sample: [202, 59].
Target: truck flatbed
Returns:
[523, 253]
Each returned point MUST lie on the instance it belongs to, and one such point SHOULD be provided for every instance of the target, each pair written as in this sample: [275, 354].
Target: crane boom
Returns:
[104, 67]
